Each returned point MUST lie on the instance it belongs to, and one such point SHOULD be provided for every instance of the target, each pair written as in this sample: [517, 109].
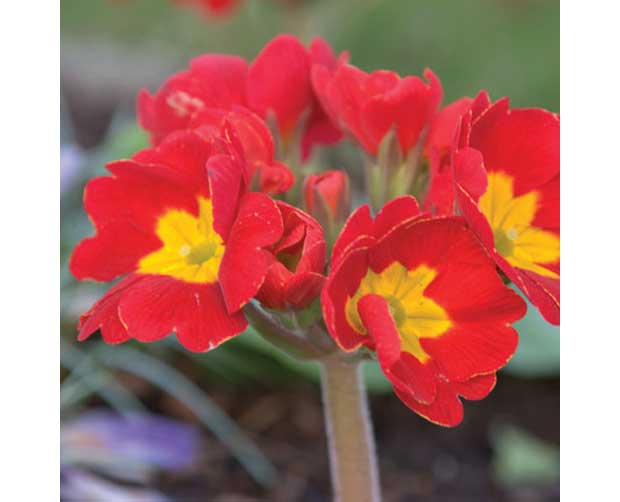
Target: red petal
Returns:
[213, 80]
[245, 262]
[472, 349]
[342, 93]
[322, 53]
[394, 213]
[319, 127]
[275, 178]
[143, 192]
[443, 127]
[302, 289]
[544, 293]
[523, 143]
[156, 306]
[255, 142]
[300, 281]
[445, 410]
[279, 81]
[341, 284]
[226, 184]
[115, 250]
[469, 172]
[403, 370]
[223, 79]
[185, 153]
[272, 293]
[548, 214]
[359, 224]
[376, 317]
[439, 142]
[103, 315]
[468, 207]
[475, 388]
[124, 210]
[319, 130]
[408, 106]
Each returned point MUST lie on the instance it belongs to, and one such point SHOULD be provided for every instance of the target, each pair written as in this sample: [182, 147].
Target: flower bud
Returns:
[327, 199]
[295, 276]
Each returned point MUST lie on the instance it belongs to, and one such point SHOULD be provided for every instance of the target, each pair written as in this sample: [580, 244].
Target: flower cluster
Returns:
[206, 226]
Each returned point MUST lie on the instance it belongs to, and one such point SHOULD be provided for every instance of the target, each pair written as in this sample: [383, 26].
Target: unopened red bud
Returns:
[327, 199]
[327, 192]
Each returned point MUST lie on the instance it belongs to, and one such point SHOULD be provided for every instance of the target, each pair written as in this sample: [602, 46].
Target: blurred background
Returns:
[153, 422]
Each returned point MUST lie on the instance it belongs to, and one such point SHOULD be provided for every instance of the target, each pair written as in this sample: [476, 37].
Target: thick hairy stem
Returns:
[352, 456]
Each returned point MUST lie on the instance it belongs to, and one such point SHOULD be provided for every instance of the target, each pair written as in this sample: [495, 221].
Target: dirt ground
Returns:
[418, 460]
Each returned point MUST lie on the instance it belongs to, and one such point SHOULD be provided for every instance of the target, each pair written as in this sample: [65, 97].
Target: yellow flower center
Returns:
[510, 217]
[192, 250]
[415, 315]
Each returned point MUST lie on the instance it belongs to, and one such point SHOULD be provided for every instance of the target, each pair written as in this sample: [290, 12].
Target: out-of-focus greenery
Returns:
[538, 353]
[521, 458]
[509, 47]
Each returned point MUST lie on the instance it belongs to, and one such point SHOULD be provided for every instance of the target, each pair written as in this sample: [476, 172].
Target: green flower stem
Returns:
[273, 331]
[352, 455]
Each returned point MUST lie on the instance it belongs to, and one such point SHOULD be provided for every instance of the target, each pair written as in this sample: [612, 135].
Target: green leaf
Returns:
[538, 353]
[522, 458]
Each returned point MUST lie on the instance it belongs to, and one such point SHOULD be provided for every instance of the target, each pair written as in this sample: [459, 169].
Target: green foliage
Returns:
[538, 353]
[521, 458]
[510, 48]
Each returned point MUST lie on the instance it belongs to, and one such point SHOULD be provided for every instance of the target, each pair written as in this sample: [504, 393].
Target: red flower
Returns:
[507, 173]
[213, 7]
[327, 197]
[369, 105]
[295, 276]
[422, 293]
[178, 223]
[270, 175]
[279, 83]
[439, 197]
[212, 81]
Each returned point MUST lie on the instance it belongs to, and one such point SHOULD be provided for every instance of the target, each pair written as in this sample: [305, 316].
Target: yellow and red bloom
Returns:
[295, 276]
[178, 223]
[507, 174]
[423, 293]
[369, 105]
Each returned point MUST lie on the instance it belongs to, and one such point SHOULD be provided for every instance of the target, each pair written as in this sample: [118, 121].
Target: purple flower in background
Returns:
[78, 485]
[130, 448]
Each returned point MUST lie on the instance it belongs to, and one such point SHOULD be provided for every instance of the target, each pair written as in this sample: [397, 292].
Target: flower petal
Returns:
[401, 368]
[279, 81]
[245, 262]
[158, 305]
[103, 315]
